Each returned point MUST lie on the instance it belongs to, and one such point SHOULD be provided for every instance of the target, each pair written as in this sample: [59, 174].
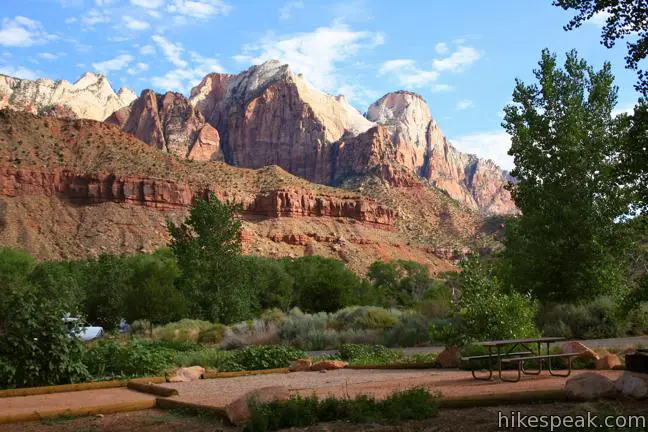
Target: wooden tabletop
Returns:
[521, 341]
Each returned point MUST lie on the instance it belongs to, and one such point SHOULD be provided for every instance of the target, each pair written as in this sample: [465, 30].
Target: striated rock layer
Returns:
[78, 188]
[90, 97]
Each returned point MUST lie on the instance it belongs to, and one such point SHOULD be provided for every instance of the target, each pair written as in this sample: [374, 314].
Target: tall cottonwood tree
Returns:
[564, 245]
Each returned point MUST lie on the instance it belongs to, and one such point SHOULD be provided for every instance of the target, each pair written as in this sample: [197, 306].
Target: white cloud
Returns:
[182, 79]
[314, 54]
[441, 88]
[464, 104]
[95, 16]
[22, 32]
[492, 145]
[18, 72]
[441, 48]
[458, 60]
[81, 65]
[285, 12]
[599, 19]
[623, 110]
[134, 24]
[199, 8]
[104, 2]
[171, 51]
[394, 65]
[48, 56]
[138, 68]
[147, 50]
[149, 4]
[116, 64]
[71, 20]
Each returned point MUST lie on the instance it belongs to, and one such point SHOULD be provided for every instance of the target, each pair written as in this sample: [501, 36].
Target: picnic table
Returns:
[505, 352]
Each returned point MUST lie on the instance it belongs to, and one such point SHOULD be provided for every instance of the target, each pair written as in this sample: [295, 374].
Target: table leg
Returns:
[490, 367]
[537, 372]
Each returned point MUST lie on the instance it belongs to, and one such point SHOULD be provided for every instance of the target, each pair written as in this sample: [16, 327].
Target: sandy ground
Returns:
[349, 382]
[463, 420]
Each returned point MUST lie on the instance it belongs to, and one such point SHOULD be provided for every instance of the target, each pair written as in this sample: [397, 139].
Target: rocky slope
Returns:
[77, 188]
[90, 97]
[268, 115]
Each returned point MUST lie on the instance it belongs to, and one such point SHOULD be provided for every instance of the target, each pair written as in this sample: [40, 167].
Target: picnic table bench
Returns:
[511, 355]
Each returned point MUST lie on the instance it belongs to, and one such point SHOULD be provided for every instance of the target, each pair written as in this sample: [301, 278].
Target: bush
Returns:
[365, 318]
[213, 335]
[412, 330]
[252, 332]
[415, 404]
[183, 330]
[308, 332]
[400, 282]
[363, 337]
[368, 354]
[267, 357]
[209, 358]
[597, 319]
[111, 358]
[638, 320]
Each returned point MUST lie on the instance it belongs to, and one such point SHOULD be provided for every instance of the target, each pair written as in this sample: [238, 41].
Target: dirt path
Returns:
[348, 382]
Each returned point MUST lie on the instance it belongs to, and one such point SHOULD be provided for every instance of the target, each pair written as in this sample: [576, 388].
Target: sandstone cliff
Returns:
[90, 97]
[168, 122]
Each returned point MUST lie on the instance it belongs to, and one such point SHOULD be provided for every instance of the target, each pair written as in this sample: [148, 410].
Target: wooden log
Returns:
[152, 389]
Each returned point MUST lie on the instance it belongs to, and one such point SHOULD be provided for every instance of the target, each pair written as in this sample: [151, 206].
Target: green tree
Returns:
[403, 283]
[152, 295]
[565, 245]
[623, 19]
[273, 284]
[58, 279]
[323, 284]
[207, 246]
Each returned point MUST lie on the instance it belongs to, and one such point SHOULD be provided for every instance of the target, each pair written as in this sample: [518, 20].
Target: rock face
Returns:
[168, 122]
[589, 386]
[421, 146]
[91, 97]
[268, 115]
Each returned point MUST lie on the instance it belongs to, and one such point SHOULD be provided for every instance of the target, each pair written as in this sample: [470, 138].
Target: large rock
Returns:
[186, 374]
[609, 361]
[91, 97]
[589, 386]
[238, 412]
[449, 357]
[633, 385]
[328, 365]
[301, 365]
[584, 353]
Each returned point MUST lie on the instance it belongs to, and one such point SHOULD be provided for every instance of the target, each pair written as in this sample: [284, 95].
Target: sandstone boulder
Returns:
[589, 386]
[329, 365]
[609, 362]
[449, 357]
[187, 374]
[301, 365]
[633, 385]
[239, 410]
[584, 352]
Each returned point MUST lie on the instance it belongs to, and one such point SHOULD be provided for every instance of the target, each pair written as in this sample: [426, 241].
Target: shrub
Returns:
[364, 337]
[209, 358]
[365, 317]
[596, 319]
[267, 357]
[213, 335]
[308, 332]
[412, 330]
[638, 319]
[368, 354]
[111, 358]
[415, 404]
[401, 282]
[252, 332]
[184, 330]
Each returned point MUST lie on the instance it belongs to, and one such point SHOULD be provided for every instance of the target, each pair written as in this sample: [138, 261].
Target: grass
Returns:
[415, 404]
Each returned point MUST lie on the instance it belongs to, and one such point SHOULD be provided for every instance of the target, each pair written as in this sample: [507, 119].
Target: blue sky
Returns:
[462, 56]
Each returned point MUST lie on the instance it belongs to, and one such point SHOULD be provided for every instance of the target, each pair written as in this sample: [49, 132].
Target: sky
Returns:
[462, 56]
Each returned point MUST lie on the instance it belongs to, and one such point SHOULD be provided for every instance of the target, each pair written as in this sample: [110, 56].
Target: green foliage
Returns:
[183, 330]
[566, 244]
[415, 404]
[365, 318]
[411, 330]
[35, 348]
[271, 281]
[213, 335]
[322, 284]
[209, 358]
[267, 357]
[58, 279]
[487, 311]
[402, 283]
[112, 358]
[599, 318]
[207, 246]
[308, 332]
[638, 320]
[368, 354]
[151, 293]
